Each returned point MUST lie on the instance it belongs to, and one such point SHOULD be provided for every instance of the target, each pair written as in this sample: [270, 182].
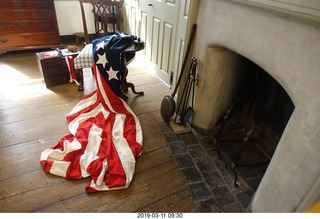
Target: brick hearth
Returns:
[210, 182]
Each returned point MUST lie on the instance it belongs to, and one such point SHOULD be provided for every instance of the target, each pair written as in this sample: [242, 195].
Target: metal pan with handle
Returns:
[168, 105]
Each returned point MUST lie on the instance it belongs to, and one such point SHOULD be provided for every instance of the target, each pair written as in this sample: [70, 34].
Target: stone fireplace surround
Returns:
[289, 50]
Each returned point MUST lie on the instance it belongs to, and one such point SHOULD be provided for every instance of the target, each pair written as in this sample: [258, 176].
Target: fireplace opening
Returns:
[248, 132]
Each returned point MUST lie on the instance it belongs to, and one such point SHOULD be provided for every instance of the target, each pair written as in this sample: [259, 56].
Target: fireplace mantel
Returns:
[289, 50]
[306, 10]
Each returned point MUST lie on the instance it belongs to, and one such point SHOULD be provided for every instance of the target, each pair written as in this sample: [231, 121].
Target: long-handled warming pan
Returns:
[168, 105]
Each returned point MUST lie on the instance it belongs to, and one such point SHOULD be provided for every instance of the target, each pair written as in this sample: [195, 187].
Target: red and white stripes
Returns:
[104, 141]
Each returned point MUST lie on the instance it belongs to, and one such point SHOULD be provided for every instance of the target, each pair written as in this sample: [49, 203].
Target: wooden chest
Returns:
[54, 70]
[28, 24]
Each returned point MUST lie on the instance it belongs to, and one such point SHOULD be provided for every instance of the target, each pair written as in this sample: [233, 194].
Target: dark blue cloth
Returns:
[106, 53]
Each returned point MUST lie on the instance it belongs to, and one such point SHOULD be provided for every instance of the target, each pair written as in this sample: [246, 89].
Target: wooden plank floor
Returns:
[32, 118]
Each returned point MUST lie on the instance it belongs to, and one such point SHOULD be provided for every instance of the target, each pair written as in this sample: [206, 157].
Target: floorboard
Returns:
[33, 118]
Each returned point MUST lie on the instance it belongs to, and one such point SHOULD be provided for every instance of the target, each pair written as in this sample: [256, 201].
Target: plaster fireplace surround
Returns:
[289, 50]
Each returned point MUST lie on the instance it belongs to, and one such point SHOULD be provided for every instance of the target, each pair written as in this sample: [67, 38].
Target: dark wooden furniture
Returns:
[88, 56]
[125, 84]
[54, 70]
[107, 17]
[28, 24]
[107, 20]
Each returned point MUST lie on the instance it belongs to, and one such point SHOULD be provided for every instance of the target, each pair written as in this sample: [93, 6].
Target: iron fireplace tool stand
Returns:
[190, 84]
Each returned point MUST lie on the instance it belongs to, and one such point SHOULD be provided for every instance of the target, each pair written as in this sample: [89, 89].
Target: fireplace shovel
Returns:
[168, 105]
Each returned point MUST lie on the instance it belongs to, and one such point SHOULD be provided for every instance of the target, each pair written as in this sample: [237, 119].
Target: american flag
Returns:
[106, 52]
[105, 135]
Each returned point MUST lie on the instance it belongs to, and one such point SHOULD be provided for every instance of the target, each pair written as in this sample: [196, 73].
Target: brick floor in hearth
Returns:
[210, 182]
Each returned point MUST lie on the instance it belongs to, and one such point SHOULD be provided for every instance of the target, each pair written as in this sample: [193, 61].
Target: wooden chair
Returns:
[107, 20]
[107, 16]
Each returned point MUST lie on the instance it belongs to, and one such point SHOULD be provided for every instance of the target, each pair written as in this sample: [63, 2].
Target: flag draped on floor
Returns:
[105, 135]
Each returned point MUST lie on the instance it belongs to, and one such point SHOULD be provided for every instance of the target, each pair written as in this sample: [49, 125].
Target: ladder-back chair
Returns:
[107, 20]
[106, 14]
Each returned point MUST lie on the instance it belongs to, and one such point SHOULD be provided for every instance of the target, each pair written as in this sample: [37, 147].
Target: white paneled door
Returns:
[131, 24]
[158, 29]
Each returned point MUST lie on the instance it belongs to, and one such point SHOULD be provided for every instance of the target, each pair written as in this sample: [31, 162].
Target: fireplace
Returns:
[288, 51]
[247, 134]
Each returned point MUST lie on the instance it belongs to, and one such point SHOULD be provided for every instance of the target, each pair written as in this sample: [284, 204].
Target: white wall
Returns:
[69, 17]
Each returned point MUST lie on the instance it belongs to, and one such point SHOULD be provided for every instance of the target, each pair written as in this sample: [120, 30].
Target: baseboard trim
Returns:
[72, 40]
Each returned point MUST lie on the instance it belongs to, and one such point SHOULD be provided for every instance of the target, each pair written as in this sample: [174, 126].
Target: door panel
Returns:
[161, 30]
[131, 21]
[165, 54]
[155, 40]
[157, 24]
[134, 25]
[144, 28]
